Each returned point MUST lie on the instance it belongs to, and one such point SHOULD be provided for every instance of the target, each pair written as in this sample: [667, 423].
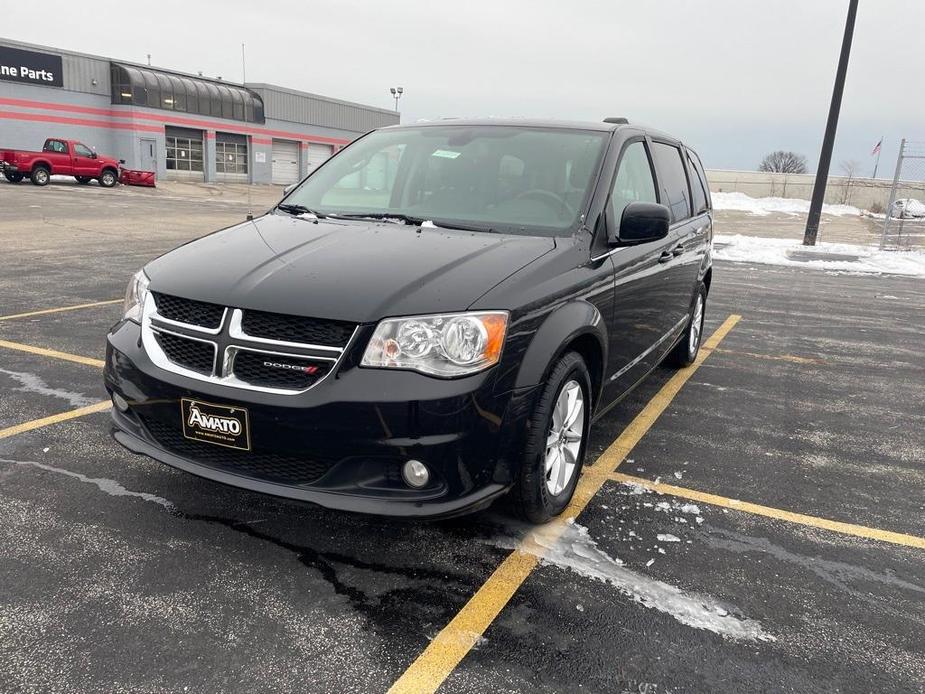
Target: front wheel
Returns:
[685, 352]
[108, 179]
[40, 176]
[555, 448]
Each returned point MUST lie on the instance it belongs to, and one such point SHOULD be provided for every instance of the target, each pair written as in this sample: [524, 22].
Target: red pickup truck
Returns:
[59, 157]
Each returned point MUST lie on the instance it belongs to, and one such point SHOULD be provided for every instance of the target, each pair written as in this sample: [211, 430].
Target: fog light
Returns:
[119, 402]
[415, 474]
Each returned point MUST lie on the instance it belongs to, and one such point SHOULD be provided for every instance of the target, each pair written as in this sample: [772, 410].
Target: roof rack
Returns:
[617, 120]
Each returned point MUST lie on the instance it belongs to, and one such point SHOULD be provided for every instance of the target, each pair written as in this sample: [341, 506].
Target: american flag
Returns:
[877, 148]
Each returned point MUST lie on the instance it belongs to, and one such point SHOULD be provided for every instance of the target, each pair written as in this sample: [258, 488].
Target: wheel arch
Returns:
[576, 326]
[41, 164]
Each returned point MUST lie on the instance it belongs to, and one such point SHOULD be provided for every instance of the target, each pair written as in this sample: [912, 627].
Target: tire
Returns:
[108, 178]
[83, 180]
[40, 176]
[537, 496]
[14, 177]
[685, 352]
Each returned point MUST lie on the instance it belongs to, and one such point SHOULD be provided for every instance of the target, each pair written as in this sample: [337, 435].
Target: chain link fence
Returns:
[904, 223]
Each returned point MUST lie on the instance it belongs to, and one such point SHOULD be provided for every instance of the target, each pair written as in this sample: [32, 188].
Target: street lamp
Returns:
[828, 140]
[396, 94]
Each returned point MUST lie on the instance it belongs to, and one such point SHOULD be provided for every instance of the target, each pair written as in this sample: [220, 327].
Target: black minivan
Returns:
[432, 319]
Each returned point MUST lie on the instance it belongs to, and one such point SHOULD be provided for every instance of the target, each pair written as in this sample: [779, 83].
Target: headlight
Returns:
[447, 345]
[135, 296]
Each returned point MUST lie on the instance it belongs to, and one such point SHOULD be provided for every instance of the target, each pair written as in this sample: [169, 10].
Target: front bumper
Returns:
[340, 444]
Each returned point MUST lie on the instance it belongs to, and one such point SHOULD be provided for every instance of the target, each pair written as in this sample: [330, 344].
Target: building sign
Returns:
[32, 68]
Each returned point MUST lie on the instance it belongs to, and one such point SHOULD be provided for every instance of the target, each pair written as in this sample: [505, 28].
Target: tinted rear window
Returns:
[699, 180]
[672, 179]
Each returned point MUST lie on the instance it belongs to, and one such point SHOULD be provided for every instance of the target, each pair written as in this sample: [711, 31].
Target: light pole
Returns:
[396, 94]
[825, 157]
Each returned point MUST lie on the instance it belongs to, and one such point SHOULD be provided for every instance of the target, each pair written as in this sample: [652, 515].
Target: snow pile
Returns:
[741, 202]
[751, 249]
[569, 546]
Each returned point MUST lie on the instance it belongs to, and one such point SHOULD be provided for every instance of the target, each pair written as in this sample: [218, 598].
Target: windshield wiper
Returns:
[415, 221]
[441, 224]
[388, 216]
[299, 209]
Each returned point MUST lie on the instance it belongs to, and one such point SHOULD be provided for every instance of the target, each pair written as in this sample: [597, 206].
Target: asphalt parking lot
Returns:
[755, 522]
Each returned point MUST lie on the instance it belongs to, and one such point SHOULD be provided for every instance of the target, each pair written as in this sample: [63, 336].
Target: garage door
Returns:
[318, 154]
[285, 162]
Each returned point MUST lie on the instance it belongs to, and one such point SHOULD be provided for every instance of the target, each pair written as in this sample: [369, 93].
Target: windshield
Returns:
[484, 177]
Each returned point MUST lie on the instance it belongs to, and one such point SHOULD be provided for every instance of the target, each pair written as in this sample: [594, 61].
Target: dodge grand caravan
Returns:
[432, 319]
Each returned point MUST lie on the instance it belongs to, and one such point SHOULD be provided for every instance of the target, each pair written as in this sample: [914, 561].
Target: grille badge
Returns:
[291, 367]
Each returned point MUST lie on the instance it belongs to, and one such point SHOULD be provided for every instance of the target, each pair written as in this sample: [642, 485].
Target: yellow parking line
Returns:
[450, 646]
[55, 354]
[61, 309]
[779, 514]
[54, 419]
[775, 357]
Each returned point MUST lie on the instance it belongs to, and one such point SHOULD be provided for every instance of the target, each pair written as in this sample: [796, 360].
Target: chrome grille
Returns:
[189, 311]
[195, 355]
[280, 359]
[284, 328]
[274, 371]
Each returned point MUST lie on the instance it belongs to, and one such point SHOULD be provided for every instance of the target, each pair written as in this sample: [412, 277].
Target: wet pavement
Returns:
[120, 574]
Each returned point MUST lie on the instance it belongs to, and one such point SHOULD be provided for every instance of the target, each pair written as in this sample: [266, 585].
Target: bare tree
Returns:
[849, 167]
[783, 162]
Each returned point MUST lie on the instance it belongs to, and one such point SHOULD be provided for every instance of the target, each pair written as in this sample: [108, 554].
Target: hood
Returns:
[355, 271]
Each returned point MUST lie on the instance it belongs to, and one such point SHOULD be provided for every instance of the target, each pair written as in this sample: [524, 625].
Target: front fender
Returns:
[561, 327]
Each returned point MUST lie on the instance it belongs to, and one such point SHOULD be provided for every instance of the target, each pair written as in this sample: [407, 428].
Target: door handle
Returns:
[677, 250]
[665, 256]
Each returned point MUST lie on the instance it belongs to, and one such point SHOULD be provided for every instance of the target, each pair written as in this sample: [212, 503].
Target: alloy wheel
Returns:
[696, 326]
[563, 443]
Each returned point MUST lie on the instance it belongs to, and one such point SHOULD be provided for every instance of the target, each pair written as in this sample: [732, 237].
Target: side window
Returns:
[633, 181]
[698, 194]
[673, 180]
[701, 177]
[54, 146]
[82, 150]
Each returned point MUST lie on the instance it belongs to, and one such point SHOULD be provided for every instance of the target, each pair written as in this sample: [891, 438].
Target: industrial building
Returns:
[183, 126]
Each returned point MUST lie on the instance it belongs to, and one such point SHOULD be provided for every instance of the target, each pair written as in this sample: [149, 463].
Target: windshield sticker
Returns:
[446, 154]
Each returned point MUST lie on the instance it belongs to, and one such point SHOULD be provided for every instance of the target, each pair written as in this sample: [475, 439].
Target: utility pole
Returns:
[243, 66]
[825, 157]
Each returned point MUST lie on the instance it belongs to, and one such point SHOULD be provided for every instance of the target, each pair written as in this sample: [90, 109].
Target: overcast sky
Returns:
[734, 78]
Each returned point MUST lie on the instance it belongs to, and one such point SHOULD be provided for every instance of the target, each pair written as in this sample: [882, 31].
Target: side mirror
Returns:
[643, 222]
[93, 156]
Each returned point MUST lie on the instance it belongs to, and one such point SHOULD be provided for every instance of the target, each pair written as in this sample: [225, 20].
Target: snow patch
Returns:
[752, 249]
[570, 546]
[111, 487]
[30, 383]
[740, 202]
